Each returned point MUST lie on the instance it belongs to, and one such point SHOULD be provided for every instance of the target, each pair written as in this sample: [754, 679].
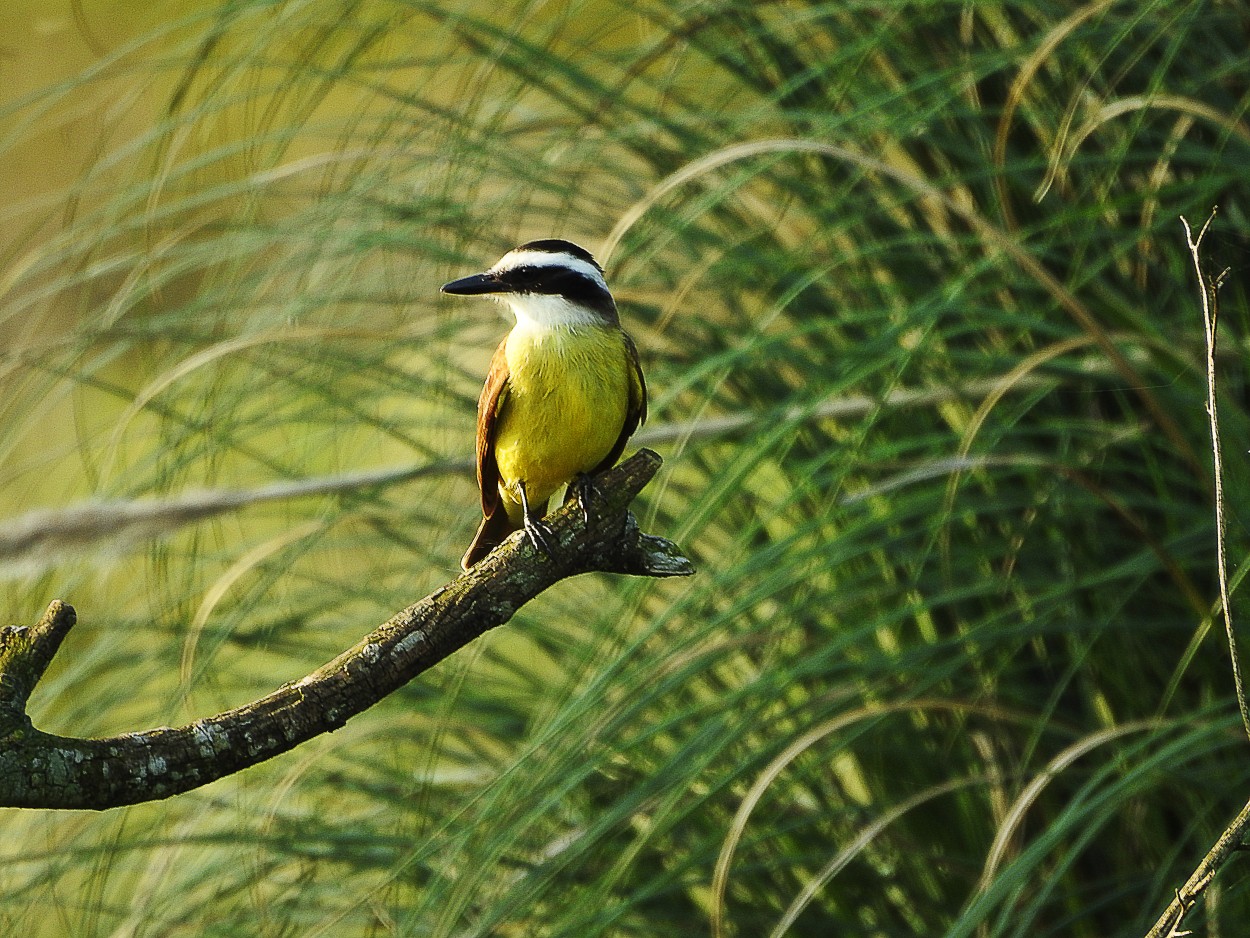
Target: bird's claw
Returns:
[582, 488]
[539, 534]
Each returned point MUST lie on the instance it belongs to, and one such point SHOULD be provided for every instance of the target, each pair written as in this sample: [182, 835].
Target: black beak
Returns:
[476, 285]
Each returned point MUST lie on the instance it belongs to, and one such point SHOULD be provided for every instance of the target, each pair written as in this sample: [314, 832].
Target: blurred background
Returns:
[926, 361]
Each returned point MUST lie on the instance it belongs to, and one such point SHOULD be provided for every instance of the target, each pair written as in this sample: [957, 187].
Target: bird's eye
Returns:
[526, 278]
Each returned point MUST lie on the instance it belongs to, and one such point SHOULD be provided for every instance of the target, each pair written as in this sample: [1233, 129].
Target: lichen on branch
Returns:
[42, 770]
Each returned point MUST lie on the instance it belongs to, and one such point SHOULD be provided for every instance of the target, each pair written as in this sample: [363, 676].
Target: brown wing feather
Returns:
[490, 534]
[493, 393]
[635, 412]
[495, 524]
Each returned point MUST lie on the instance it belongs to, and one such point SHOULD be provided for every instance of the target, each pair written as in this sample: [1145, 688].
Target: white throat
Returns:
[538, 311]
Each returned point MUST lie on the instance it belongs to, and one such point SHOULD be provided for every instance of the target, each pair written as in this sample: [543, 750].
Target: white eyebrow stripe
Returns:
[514, 259]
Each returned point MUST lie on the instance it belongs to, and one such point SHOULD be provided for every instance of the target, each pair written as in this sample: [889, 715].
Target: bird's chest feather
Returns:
[568, 391]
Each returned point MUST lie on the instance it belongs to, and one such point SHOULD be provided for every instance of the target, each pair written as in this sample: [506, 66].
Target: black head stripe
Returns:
[573, 285]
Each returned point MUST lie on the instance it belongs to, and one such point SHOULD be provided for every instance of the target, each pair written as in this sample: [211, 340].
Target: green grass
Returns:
[937, 674]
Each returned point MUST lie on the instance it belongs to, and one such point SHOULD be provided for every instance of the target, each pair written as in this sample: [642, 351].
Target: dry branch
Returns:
[38, 769]
[1169, 923]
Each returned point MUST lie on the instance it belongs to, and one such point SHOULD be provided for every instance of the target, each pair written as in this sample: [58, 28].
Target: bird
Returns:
[564, 392]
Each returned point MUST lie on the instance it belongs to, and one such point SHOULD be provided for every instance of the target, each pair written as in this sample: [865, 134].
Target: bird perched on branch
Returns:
[564, 393]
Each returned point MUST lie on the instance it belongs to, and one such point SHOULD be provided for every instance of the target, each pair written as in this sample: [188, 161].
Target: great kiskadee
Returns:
[564, 391]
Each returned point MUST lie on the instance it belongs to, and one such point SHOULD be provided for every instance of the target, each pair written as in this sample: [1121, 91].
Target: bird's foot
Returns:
[539, 534]
[583, 489]
[537, 530]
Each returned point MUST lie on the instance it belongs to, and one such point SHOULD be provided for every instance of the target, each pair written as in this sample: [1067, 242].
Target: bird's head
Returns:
[548, 284]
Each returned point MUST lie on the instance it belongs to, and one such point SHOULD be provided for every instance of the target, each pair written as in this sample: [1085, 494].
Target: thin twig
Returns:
[1210, 315]
[1170, 922]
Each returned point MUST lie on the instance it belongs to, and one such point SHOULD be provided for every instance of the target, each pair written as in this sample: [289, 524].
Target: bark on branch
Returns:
[41, 770]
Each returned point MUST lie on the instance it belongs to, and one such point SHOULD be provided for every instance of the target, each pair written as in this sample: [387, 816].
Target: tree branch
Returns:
[38, 769]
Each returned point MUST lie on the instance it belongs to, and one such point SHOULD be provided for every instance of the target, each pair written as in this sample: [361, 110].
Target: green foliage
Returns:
[947, 667]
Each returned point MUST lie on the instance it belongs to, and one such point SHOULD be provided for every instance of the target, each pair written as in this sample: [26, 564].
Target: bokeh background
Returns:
[926, 363]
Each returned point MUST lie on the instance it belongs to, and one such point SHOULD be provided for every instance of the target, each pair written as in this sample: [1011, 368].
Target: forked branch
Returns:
[41, 770]
[1170, 922]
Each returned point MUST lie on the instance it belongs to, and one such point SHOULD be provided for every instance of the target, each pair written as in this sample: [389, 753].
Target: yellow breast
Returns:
[566, 400]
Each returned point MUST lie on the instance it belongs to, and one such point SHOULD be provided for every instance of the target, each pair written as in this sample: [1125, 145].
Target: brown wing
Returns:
[635, 412]
[494, 393]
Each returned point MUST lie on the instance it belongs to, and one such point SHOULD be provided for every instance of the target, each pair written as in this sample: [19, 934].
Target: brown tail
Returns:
[490, 534]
